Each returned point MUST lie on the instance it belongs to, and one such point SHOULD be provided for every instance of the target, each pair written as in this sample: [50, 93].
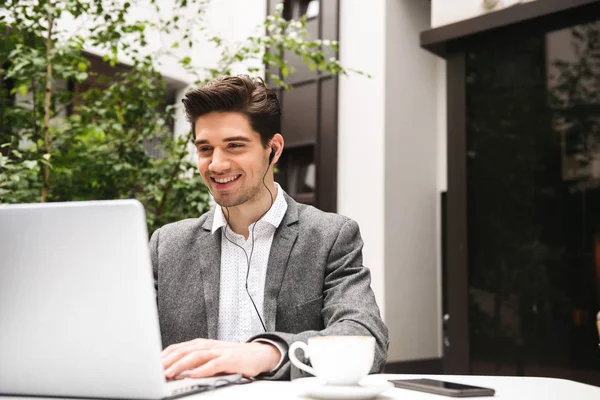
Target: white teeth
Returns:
[225, 180]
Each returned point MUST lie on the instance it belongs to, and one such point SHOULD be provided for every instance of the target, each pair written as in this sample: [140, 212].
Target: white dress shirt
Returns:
[238, 320]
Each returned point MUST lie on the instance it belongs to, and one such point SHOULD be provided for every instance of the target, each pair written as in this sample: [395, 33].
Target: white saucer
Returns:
[365, 390]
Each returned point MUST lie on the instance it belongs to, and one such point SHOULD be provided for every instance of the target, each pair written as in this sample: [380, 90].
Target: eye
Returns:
[236, 145]
[204, 149]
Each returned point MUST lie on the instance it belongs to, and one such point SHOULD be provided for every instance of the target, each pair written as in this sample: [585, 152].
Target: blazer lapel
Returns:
[209, 260]
[283, 241]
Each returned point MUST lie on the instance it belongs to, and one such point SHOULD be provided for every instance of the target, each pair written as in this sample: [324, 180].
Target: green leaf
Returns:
[101, 151]
[30, 164]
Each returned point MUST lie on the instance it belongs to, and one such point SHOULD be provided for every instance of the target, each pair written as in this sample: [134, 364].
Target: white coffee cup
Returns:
[337, 360]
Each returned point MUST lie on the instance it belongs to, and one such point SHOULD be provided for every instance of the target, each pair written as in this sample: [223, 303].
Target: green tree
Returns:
[61, 144]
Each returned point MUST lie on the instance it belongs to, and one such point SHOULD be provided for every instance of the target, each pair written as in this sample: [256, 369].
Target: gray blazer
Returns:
[316, 283]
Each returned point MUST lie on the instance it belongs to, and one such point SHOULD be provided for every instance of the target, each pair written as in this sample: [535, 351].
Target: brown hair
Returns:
[242, 93]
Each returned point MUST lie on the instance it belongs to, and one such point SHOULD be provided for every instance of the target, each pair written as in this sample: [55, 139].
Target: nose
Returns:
[219, 163]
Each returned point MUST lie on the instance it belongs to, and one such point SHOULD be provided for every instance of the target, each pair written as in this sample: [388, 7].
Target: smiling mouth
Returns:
[225, 180]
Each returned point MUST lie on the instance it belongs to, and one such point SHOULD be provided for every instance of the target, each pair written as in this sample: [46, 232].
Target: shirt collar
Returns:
[274, 216]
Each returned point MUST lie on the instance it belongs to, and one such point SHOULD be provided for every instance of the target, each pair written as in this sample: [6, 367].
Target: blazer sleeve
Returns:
[349, 306]
[154, 258]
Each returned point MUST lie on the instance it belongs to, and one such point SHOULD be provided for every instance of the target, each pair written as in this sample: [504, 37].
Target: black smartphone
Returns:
[443, 388]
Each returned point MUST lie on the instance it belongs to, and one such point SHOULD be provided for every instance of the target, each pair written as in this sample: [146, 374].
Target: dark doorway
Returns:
[523, 202]
[533, 204]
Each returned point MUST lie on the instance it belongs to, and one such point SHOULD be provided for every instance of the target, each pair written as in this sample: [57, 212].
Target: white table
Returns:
[507, 387]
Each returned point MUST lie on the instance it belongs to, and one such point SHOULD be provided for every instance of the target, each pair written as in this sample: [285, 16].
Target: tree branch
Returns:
[169, 185]
[47, 111]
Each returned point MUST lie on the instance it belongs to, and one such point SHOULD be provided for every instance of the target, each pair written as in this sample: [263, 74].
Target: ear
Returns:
[276, 148]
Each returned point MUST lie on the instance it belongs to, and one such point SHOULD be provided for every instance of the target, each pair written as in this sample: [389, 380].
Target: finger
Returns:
[176, 355]
[180, 350]
[228, 361]
[195, 343]
[170, 349]
[210, 368]
[190, 361]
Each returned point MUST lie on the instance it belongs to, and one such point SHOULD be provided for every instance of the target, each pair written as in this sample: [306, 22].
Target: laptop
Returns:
[78, 315]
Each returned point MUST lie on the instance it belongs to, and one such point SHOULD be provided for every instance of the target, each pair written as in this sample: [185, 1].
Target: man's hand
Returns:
[201, 358]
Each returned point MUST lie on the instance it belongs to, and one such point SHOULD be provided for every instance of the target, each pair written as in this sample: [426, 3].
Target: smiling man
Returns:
[238, 285]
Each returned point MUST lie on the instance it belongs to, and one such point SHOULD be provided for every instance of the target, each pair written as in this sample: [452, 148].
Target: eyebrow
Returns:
[229, 139]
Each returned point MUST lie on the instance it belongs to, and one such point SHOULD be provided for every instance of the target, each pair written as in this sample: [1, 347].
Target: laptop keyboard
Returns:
[186, 386]
[182, 386]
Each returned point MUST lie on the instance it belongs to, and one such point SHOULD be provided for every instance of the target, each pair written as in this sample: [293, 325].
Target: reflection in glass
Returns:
[295, 9]
[312, 9]
[296, 173]
[533, 198]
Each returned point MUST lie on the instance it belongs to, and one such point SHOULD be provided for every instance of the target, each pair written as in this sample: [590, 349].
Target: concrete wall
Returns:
[445, 12]
[387, 165]
[361, 131]
[412, 284]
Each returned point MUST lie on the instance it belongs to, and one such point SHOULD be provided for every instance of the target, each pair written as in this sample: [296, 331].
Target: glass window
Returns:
[295, 9]
[296, 173]
[533, 204]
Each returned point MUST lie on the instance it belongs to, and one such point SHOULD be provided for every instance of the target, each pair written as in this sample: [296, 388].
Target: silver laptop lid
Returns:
[77, 306]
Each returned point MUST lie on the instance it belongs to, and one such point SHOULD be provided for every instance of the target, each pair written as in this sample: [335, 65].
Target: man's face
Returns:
[231, 158]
